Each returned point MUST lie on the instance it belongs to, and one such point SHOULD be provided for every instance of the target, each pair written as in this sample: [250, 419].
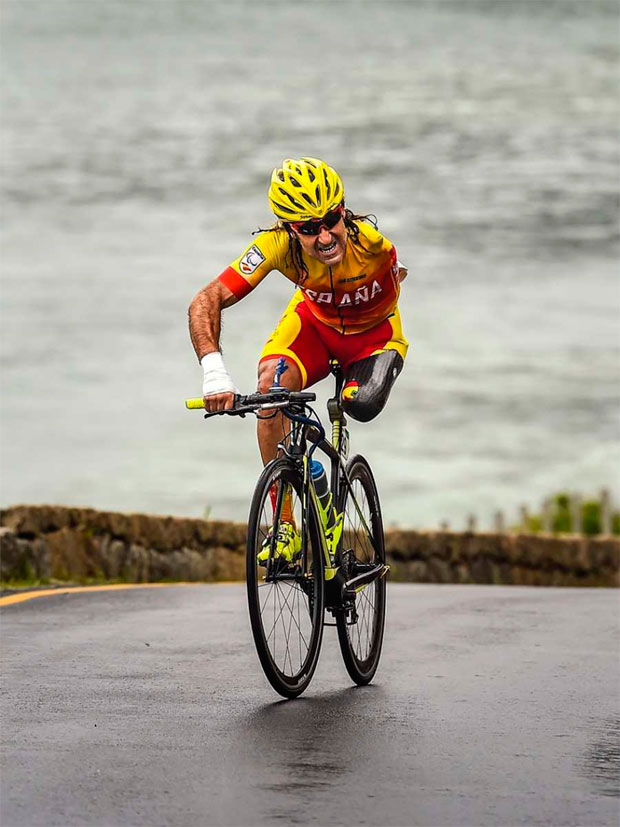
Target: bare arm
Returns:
[205, 316]
[205, 321]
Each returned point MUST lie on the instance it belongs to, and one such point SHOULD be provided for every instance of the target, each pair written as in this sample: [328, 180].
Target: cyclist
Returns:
[347, 276]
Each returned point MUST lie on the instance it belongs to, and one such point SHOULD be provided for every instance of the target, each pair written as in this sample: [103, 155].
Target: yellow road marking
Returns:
[21, 597]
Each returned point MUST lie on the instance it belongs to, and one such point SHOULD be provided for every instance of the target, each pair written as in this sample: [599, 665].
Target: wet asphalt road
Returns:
[492, 706]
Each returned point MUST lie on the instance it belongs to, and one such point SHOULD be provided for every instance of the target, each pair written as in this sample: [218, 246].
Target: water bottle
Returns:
[324, 495]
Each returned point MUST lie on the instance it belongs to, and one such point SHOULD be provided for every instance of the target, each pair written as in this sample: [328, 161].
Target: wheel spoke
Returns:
[363, 536]
[283, 603]
[287, 618]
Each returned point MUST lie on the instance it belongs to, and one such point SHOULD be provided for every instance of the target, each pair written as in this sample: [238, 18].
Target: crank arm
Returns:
[365, 578]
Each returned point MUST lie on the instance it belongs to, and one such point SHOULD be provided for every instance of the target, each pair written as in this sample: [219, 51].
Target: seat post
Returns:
[334, 407]
[338, 420]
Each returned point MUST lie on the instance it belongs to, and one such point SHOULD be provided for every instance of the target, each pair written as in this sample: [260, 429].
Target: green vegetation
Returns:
[561, 516]
[25, 583]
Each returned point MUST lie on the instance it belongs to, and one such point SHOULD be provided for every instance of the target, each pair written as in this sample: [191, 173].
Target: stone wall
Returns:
[77, 544]
[55, 543]
[504, 559]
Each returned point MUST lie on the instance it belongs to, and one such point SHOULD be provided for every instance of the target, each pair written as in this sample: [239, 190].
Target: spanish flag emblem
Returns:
[350, 390]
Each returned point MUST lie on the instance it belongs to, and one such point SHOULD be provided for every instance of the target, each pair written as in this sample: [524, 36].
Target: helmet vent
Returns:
[294, 202]
[290, 198]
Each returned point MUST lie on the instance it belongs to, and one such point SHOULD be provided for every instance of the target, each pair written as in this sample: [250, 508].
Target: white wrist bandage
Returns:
[216, 377]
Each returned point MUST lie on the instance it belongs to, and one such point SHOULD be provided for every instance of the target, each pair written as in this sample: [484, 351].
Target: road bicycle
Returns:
[341, 573]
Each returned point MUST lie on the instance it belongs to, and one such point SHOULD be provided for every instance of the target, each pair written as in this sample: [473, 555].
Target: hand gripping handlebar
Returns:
[280, 398]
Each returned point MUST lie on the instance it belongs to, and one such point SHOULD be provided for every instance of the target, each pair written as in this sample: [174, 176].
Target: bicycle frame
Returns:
[294, 446]
[304, 430]
[331, 566]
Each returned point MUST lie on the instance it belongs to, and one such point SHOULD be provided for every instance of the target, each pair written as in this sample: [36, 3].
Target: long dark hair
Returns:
[294, 255]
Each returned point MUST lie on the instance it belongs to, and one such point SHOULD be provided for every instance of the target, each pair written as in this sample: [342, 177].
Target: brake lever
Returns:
[230, 412]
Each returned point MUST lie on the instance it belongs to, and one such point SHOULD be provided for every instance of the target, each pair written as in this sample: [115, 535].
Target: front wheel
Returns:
[285, 592]
[360, 627]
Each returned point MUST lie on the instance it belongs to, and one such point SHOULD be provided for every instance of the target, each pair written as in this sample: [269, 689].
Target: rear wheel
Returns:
[360, 627]
[285, 597]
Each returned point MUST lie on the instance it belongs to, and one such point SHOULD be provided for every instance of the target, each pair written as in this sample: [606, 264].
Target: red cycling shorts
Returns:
[311, 344]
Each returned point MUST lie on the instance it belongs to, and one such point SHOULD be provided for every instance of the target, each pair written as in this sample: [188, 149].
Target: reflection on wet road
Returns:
[491, 706]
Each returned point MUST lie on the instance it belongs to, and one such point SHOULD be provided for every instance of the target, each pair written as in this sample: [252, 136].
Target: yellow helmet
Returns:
[304, 189]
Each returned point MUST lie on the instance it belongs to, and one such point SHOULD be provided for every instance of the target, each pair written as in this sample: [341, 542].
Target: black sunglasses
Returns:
[313, 227]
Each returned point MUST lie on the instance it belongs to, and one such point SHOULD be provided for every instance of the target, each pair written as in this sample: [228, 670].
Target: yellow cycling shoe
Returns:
[287, 547]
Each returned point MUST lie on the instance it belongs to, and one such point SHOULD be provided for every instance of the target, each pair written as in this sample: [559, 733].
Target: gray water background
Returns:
[137, 143]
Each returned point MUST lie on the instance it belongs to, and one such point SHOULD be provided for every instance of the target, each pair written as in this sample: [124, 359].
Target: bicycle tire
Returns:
[286, 615]
[361, 642]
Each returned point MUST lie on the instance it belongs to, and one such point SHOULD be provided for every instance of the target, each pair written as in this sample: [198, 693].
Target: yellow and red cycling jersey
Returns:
[351, 297]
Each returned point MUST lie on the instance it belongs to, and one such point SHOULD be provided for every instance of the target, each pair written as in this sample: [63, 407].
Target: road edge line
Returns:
[22, 597]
